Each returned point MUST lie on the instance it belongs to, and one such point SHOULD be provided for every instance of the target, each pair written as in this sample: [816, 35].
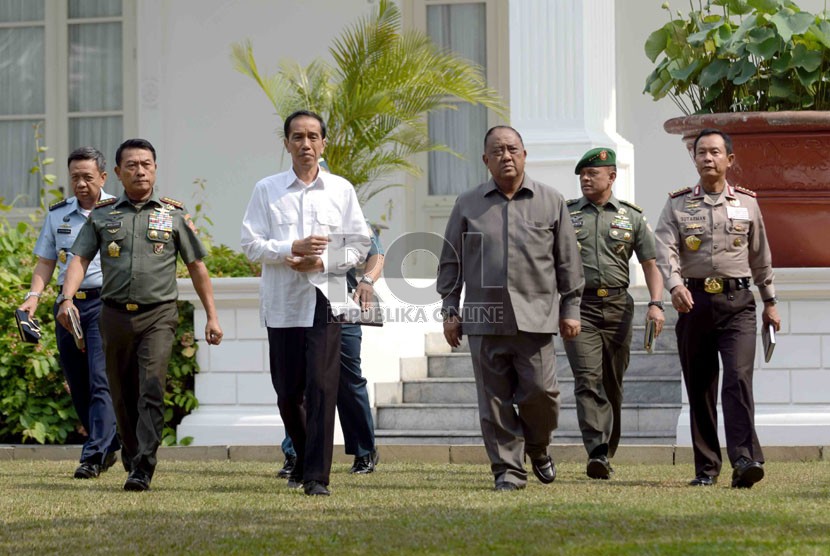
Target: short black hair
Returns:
[727, 140]
[88, 153]
[142, 144]
[286, 127]
[496, 127]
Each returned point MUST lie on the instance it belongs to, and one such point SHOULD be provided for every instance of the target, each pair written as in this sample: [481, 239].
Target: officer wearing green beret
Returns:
[139, 236]
[608, 231]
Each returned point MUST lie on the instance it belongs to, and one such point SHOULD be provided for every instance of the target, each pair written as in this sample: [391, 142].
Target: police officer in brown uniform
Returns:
[711, 245]
[609, 231]
[139, 236]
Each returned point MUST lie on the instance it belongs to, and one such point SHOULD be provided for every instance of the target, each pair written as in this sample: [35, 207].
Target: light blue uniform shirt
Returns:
[60, 228]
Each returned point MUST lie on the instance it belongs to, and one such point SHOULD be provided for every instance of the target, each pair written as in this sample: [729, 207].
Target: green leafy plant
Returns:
[376, 96]
[34, 402]
[741, 55]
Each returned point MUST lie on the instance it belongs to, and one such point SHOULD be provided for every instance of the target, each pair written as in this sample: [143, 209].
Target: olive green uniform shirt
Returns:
[607, 236]
[699, 237]
[138, 248]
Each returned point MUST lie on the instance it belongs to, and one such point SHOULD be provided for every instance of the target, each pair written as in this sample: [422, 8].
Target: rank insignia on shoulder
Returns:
[59, 204]
[172, 202]
[679, 192]
[632, 205]
[106, 202]
[572, 201]
[745, 191]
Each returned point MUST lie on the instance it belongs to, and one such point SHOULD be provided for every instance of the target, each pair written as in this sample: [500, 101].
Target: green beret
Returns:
[597, 157]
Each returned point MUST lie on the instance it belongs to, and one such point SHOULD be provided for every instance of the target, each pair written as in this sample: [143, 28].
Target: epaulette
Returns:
[632, 205]
[745, 191]
[59, 204]
[105, 202]
[173, 202]
[680, 192]
[572, 201]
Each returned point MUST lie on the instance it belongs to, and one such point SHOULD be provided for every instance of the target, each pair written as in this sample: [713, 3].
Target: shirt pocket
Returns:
[325, 221]
[738, 231]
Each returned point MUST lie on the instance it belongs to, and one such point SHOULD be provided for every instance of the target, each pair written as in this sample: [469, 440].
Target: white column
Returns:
[562, 89]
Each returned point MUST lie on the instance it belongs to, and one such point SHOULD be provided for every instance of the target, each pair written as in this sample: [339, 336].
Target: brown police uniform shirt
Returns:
[513, 255]
[698, 237]
[607, 236]
[138, 247]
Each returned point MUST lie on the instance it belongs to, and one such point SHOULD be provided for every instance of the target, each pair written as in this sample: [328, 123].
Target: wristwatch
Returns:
[60, 299]
[658, 304]
[368, 279]
[772, 300]
[32, 294]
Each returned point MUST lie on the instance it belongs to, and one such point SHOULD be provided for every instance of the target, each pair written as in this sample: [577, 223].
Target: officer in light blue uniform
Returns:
[85, 371]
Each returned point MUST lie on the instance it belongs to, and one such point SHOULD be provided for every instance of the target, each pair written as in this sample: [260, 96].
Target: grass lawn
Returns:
[228, 507]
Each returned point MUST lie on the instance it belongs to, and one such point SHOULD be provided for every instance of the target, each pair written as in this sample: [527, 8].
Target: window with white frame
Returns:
[470, 29]
[62, 65]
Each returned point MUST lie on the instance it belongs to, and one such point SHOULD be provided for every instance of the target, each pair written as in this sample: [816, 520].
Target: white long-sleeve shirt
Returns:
[283, 209]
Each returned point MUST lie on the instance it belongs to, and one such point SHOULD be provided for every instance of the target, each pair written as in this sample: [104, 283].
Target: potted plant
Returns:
[759, 70]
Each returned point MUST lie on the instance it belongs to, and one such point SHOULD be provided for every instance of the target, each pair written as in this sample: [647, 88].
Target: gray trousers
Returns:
[518, 370]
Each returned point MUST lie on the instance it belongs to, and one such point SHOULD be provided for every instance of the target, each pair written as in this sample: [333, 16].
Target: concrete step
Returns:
[640, 390]
[635, 417]
[464, 437]
[460, 365]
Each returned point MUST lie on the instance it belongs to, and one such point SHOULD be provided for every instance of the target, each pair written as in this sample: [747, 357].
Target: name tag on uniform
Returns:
[737, 213]
[62, 230]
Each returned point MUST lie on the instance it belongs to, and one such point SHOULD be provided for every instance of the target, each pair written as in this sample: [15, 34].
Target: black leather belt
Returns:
[133, 307]
[602, 292]
[715, 284]
[92, 293]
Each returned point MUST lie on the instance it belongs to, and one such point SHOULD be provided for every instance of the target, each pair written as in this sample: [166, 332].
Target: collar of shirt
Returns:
[612, 202]
[728, 192]
[527, 189]
[154, 199]
[294, 182]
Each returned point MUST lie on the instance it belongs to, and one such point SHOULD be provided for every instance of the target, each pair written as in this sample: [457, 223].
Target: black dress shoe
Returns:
[599, 468]
[295, 478]
[543, 468]
[503, 486]
[363, 465]
[87, 470]
[287, 467]
[137, 481]
[315, 488]
[746, 473]
[703, 481]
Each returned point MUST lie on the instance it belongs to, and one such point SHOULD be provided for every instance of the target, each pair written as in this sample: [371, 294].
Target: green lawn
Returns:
[231, 507]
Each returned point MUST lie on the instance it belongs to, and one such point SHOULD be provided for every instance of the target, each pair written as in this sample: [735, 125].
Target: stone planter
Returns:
[785, 158]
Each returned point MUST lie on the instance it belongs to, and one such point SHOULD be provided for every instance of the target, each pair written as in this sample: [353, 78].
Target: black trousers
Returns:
[137, 347]
[724, 324]
[305, 372]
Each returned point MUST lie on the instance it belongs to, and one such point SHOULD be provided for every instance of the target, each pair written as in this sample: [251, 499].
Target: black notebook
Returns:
[29, 328]
[768, 339]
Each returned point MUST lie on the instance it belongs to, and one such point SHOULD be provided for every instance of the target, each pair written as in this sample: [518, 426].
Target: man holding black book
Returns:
[85, 371]
[608, 232]
[711, 244]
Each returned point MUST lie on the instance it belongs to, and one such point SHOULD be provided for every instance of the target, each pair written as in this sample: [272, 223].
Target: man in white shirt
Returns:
[306, 228]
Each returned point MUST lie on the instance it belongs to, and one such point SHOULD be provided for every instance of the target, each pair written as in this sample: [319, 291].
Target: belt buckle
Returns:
[80, 295]
[713, 285]
[131, 306]
[602, 292]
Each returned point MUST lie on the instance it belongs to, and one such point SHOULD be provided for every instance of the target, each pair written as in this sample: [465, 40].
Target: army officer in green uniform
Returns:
[139, 236]
[608, 231]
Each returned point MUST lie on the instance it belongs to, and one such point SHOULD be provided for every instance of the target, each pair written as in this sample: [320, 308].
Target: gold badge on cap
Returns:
[62, 256]
[158, 248]
[693, 243]
[114, 249]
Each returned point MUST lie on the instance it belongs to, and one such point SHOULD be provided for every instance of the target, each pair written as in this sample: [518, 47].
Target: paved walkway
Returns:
[626, 454]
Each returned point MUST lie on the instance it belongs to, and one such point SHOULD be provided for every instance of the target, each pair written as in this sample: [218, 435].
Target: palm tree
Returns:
[375, 97]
